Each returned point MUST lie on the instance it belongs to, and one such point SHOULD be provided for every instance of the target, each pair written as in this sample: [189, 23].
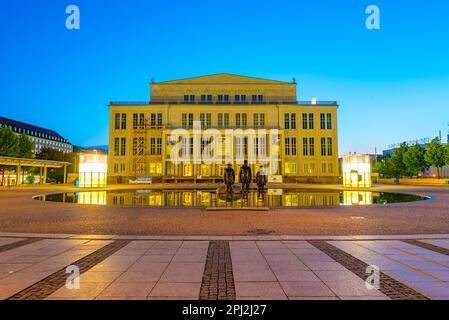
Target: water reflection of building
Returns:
[94, 197]
[189, 198]
[352, 198]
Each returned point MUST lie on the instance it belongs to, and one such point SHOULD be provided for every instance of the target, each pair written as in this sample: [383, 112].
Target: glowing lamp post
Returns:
[92, 170]
[357, 171]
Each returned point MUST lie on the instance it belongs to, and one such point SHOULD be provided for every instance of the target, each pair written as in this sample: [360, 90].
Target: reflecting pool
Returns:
[210, 198]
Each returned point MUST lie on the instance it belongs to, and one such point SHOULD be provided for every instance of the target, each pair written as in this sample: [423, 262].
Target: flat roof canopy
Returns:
[23, 162]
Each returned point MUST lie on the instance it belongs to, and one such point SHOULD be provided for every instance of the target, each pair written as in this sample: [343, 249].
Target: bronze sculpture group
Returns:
[245, 178]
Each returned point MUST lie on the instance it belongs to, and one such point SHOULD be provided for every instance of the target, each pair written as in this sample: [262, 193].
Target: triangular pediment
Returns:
[223, 78]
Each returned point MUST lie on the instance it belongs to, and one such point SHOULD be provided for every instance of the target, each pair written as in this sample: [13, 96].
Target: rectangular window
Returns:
[260, 98]
[116, 146]
[155, 168]
[311, 147]
[209, 98]
[254, 98]
[287, 146]
[293, 121]
[184, 120]
[305, 146]
[323, 146]
[220, 98]
[323, 168]
[192, 98]
[256, 120]
[138, 146]
[290, 168]
[293, 146]
[238, 122]
[262, 120]
[187, 170]
[208, 120]
[135, 120]
[203, 120]
[123, 121]
[244, 120]
[329, 121]
[190, 120]
[117, 121]
[226, 120]
[287, 121]
[322, 121]
[186, 98]
[159, 119]
[203, 98]
[237, 98]
[226, 97]
[304, 121]
[152, 146]
[220, 120]
[243, 98]
[123, 147]
[330, 168]
[329, 146]
[153, 120]
[311, 121]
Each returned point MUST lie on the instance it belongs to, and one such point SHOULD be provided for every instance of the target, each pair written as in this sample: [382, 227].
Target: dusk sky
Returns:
[392, 84]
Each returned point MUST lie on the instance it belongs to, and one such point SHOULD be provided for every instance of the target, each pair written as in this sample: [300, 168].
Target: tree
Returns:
[25, 147]
[435, 154]
[414, 160]
[8, 143]
[398, 168]
[56, 155]
[446, 155]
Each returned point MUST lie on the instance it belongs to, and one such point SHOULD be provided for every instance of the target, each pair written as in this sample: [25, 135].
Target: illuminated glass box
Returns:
[357, 171]
[92, 170]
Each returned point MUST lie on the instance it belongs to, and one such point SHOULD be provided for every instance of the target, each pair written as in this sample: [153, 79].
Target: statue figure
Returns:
[261, 181]
[229, 180]
[245, 178]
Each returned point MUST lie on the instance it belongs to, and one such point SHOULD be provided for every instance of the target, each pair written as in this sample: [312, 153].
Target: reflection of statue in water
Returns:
[229, 180]
[245, 178]
[261, 181]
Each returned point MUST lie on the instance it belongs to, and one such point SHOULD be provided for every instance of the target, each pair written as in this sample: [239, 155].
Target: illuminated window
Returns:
[187, 170]
[290, 168]
[155, 168]
[205, 170]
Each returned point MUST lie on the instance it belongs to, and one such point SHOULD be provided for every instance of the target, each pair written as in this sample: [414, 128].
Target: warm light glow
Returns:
[92, 170]
[355, 198]
[357, 171]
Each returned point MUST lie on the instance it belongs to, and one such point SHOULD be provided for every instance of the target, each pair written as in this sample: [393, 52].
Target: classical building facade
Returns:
[192, 128]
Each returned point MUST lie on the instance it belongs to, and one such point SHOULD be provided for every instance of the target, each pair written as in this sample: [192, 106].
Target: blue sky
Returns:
[392, 84]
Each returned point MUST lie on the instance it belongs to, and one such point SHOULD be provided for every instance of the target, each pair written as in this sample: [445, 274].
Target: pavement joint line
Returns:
[18, 244]
[389, 286]
[47, 286]
[428, 246]
[218, 277]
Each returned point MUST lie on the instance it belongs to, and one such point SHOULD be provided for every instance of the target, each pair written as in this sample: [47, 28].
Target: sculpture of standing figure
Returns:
[245, 177]
[229, 180]
[261, 181]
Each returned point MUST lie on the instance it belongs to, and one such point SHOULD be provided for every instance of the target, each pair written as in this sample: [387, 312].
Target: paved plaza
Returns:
[150, 253]
[34, 267]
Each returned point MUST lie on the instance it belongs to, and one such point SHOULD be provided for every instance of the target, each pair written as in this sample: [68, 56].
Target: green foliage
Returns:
[9, 146]
[435, 154]
[414, 160]
[446, 154]
[396, 162]
[56, 175]
[30, 179]
[12, 145]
